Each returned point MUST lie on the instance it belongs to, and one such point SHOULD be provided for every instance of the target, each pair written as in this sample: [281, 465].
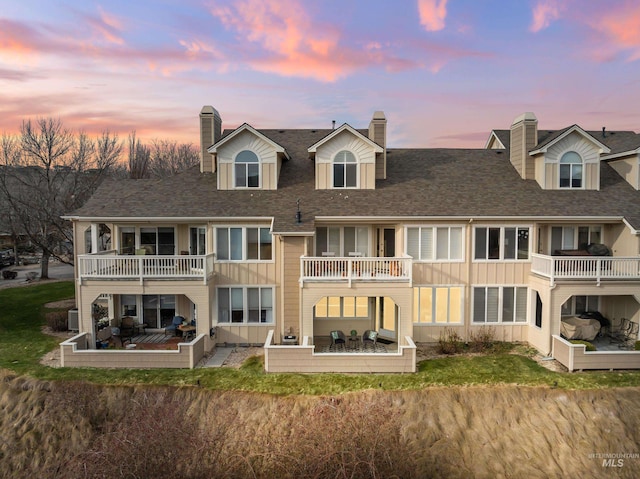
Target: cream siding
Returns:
[246, 140]
[292, 249]
[629, 169]
[365, 157]
[517, 147]
[589, 153]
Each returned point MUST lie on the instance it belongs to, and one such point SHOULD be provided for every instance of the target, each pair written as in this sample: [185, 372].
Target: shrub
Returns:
[588, 346]
[450, 342]
[482, 340]
[57, 320]
[636, 346]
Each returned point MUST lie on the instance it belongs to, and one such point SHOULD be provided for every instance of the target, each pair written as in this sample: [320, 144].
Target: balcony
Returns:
[108, 265]
[349, 269]
[595, 268]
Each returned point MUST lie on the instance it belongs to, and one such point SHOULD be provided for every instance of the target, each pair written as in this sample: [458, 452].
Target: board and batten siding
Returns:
[365, 157]
[293, 247]
[247, 141]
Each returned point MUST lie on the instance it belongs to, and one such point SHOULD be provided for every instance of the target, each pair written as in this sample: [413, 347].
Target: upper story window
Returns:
[243, 244]
[345, 170]
[506, 242]
[247, 170]
[442, 243]
[148, 240]
[342, 241]
[571, 170]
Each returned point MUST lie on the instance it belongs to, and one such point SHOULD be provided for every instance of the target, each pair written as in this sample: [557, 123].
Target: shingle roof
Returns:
[420, 183]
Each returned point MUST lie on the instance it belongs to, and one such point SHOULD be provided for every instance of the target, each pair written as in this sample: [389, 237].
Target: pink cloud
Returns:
[106, 26]
[432, 14]
[545, 12]
[620, 28]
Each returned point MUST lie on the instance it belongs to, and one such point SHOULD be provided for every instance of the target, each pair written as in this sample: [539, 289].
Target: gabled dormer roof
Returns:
[246, 127]
[345, 127]
[557, 136]
[499, 138]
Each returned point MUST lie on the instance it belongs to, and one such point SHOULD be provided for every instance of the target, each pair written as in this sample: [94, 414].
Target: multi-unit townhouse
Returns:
[280, 237]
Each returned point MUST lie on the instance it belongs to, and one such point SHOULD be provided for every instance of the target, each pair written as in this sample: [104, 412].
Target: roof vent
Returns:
[604, 133]
[333, 124]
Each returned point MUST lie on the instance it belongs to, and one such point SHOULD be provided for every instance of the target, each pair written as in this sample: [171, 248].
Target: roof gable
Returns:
[345, 127]
[561, 134]
[246, 127]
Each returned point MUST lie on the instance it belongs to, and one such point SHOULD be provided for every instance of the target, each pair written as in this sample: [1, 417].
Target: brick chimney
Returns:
[210, 132]
[378, 133]
[524, 136]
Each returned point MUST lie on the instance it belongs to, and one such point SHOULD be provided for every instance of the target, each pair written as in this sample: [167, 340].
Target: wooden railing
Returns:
[596, 268]
[113, 266]
[355, 269]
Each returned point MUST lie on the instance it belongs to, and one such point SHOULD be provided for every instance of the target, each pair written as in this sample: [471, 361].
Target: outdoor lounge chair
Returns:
[338, 340]
[627, 335]
[173, 327]
[370, 337]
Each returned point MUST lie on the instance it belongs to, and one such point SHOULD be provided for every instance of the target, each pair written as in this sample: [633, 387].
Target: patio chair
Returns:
[173, 327]
[127, 329]
[370, 338]
[627, 335]
[338, 340]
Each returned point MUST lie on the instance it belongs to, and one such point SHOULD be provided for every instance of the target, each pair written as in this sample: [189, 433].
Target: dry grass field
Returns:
[61, 429]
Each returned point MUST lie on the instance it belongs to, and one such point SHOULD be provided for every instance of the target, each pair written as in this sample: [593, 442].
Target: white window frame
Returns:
[435, 238]
[137, 232]
[345, 163]
[342, 310]
[524, 291]
[244, 244]
[246, 171]
[575, 232]
[571, 166]
[245, 304]
[342, 252]
[502, 243]
[417, 294]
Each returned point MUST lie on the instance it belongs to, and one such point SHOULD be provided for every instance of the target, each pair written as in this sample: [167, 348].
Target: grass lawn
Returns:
[22, 344]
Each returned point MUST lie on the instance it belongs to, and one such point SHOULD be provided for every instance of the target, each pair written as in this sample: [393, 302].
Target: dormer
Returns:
[345, 159]
[568, 159]
[627, 165]
[247, 159]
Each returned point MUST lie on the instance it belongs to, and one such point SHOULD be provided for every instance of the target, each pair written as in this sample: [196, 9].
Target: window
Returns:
[441, 243]
[508, 243]
[197, 240]
[574, 237]
[243, 243]
[538, 320]
[158, 240]
[342, 307]
[247, 169]
[437, 305]
[571, 170]
[342, 240]
[245, 305]
[577, 305]
[499, 304]
[345, 170]
[158, 310]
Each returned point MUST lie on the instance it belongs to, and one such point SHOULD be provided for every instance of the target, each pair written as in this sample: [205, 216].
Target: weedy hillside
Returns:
[62, 429]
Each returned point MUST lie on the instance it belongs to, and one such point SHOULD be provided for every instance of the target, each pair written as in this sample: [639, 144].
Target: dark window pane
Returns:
[351, 175]
[481, 243]
[494, 243]
[338, 176]
[252, 243]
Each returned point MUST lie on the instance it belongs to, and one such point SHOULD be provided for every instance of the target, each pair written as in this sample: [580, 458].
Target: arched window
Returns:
[345, 170]
[247, 170]
[571, 170]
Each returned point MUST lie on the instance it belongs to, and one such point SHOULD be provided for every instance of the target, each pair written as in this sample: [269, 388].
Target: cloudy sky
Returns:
[445, 72]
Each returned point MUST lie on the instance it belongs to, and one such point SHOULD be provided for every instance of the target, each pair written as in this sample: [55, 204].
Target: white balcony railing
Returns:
[113, 266]
[596, 268]
[356, 269]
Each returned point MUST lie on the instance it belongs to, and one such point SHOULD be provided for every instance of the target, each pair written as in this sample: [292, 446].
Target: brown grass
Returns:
[79, 430]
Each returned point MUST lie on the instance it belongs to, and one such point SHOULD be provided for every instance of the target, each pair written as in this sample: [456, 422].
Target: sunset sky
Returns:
[445, 72]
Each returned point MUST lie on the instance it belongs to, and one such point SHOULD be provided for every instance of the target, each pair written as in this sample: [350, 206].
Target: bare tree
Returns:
[49, 172]
[168, 157]
[139, 157]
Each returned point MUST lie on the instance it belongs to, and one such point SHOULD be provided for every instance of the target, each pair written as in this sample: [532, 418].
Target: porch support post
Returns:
[94, 238]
